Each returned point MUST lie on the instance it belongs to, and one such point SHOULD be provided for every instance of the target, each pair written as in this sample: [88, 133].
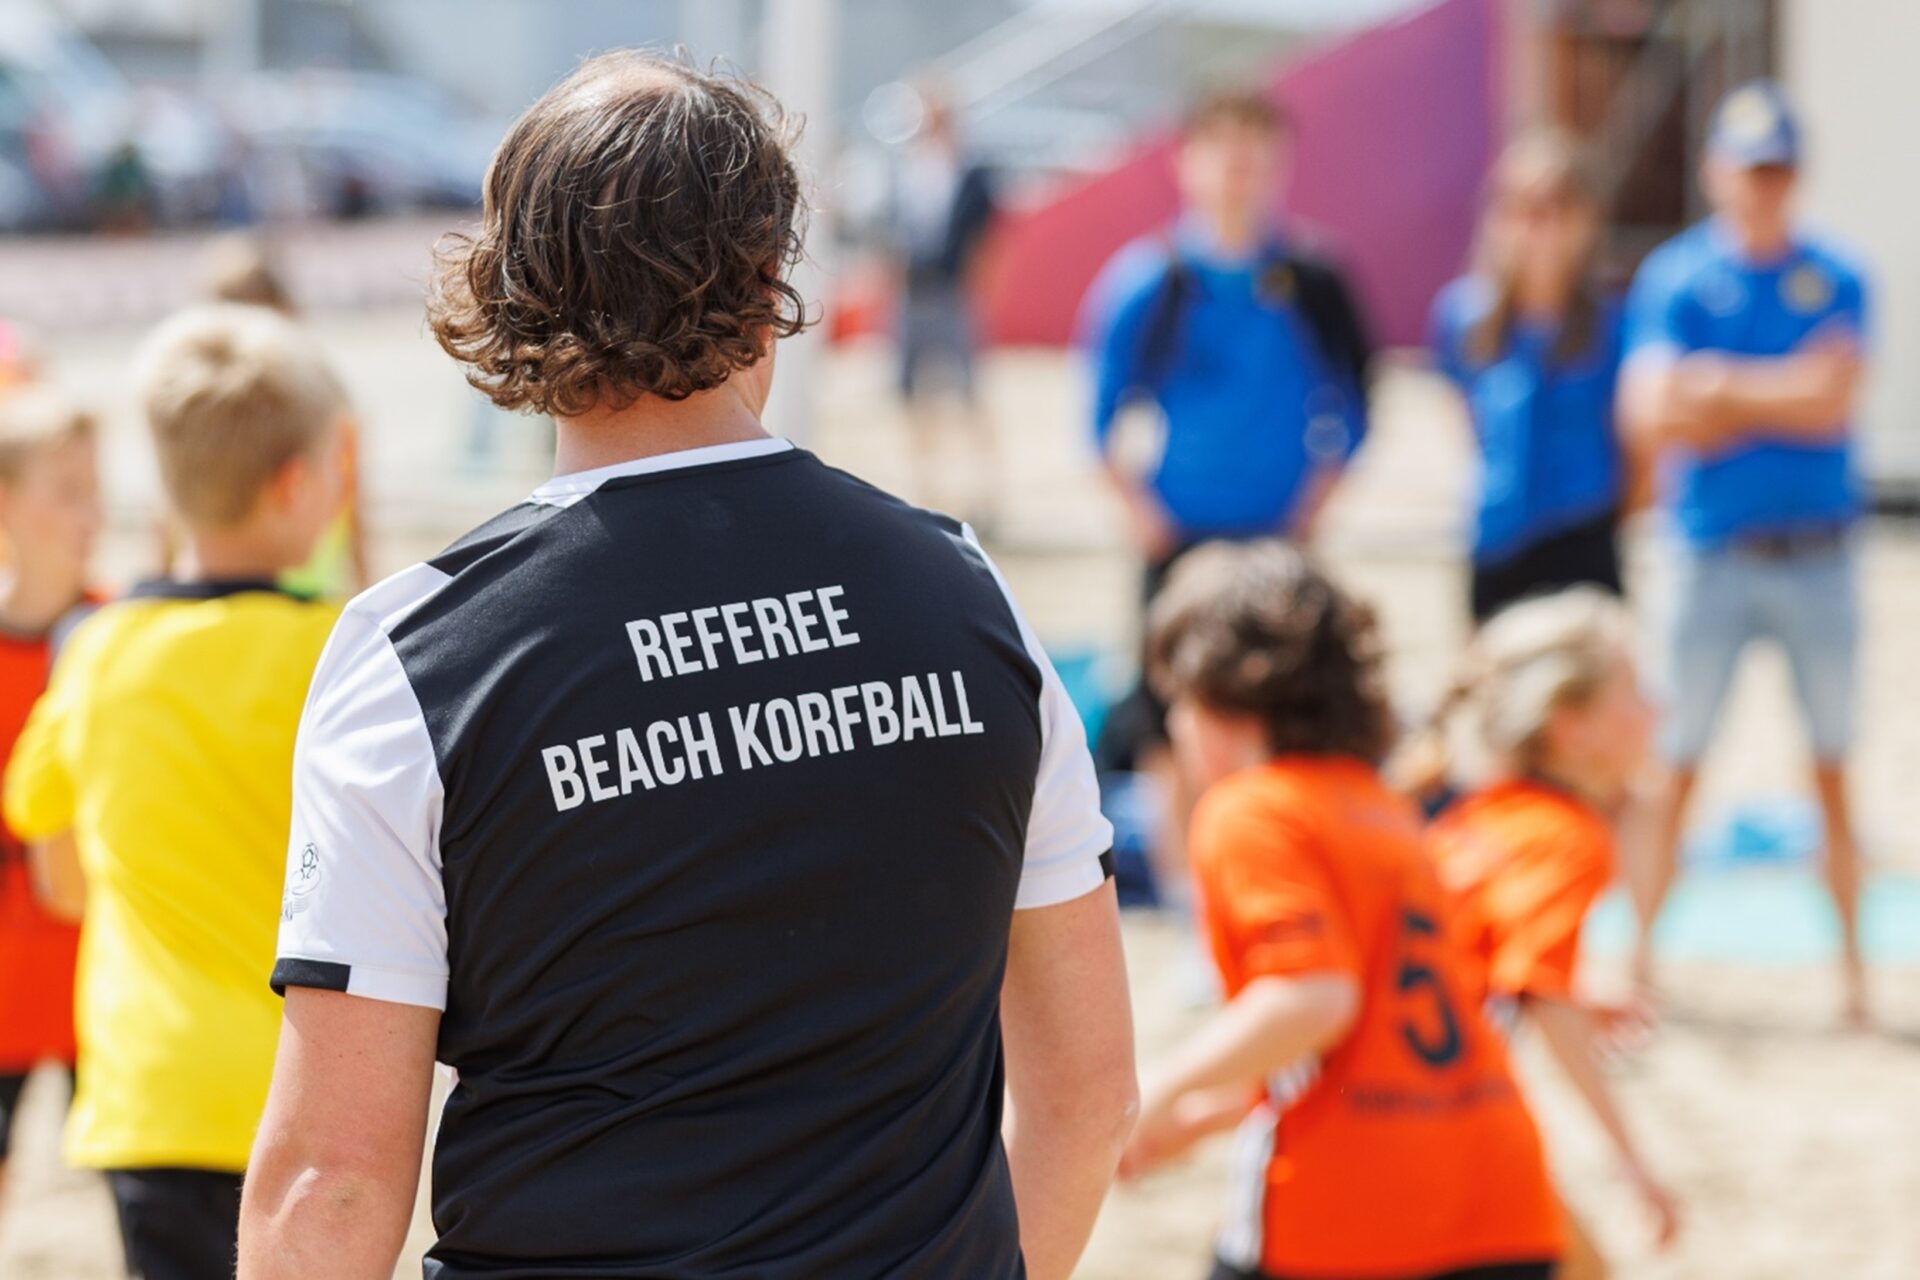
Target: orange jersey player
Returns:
[1523, 861]
[1387, 1139]
[1550, 689]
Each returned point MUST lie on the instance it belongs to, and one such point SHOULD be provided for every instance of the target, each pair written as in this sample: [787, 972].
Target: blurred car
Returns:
[349, 143]
[69, 120]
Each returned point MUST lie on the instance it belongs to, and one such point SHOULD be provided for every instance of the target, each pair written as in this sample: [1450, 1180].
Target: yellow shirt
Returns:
[165, 743]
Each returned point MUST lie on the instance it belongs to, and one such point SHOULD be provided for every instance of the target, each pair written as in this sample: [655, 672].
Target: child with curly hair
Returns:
[1380, 1130]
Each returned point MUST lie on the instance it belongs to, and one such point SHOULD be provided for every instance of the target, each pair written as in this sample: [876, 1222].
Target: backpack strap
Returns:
[1160, 335]
[1319, 292]
[1310, 284]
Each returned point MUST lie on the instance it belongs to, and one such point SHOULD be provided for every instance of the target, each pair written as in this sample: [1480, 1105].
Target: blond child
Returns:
[164, 744]
[1549, 695]
[242, 268]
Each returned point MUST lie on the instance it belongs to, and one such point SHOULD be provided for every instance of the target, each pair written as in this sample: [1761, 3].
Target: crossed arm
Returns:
[1706, 400]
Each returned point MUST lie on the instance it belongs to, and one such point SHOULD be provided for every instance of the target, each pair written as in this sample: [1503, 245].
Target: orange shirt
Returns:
[1406, 1149]
[36, 951]
[1523, 863]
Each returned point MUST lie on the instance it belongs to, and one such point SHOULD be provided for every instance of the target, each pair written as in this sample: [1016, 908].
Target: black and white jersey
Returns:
[699, 792]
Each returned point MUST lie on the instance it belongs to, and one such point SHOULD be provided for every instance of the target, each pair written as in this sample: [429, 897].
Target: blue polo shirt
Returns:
[1699, 292]
[1549, 460]
[1250, 405]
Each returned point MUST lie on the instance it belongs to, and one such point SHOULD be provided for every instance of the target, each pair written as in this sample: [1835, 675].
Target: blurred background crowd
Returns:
[1113, 278]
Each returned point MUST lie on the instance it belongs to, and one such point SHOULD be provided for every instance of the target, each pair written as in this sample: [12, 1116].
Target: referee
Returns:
[715, 816]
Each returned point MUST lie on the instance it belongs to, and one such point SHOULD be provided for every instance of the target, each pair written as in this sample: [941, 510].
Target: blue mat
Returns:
[1752, 894]
[1132, 805]
[1771, 831]
[1766, 916]
[1082, 674]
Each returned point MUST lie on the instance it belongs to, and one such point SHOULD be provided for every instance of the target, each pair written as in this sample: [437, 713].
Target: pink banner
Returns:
[1396, 126]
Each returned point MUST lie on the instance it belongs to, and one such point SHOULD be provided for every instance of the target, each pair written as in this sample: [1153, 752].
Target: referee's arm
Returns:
[1071, 1096]
[363, 965]
[336, 1164]
[1066, 1023]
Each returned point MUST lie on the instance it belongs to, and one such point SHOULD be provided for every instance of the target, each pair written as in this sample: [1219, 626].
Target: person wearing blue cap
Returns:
[1744, 357]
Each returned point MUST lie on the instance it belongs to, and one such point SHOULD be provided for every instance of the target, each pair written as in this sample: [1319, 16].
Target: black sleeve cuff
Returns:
[325, 975]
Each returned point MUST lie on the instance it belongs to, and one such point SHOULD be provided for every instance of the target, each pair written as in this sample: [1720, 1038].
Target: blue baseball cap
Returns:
[1755, 125]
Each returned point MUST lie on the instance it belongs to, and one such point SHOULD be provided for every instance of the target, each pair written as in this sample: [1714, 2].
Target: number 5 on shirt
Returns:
[1429, 1027]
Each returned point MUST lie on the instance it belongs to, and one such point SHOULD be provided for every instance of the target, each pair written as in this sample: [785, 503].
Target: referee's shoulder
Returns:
[901, 538]
[385, 604]
[888, 513]
[473, 546]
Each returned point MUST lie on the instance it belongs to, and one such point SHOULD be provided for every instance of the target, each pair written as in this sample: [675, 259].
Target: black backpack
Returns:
[1311, 284]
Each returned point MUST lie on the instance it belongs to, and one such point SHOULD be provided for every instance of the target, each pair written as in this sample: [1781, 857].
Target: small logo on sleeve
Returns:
[302, 879]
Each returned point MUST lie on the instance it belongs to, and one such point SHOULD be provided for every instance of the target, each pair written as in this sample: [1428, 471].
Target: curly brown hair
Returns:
[1257, 628]
[639, 224]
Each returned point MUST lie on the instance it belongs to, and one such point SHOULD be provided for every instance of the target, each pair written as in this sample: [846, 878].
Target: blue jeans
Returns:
[1806, 602]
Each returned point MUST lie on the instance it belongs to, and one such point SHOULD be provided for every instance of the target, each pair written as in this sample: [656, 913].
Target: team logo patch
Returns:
[1806, 289]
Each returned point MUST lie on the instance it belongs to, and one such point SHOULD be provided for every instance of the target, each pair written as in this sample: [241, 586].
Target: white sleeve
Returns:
[1069, 841]
[364, 910]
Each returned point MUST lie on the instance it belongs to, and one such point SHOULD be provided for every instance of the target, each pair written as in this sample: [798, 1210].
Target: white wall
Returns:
[1851, 67]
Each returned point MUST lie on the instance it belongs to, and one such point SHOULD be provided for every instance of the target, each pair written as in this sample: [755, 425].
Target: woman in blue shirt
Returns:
[1533, 343]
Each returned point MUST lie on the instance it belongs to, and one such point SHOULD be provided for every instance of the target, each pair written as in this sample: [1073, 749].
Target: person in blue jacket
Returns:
[1251, 347]
[1254, 353]
[1744, 359]
[1533, 344]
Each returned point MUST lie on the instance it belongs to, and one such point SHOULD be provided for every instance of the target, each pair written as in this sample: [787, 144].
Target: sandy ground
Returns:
[1795, 1147]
